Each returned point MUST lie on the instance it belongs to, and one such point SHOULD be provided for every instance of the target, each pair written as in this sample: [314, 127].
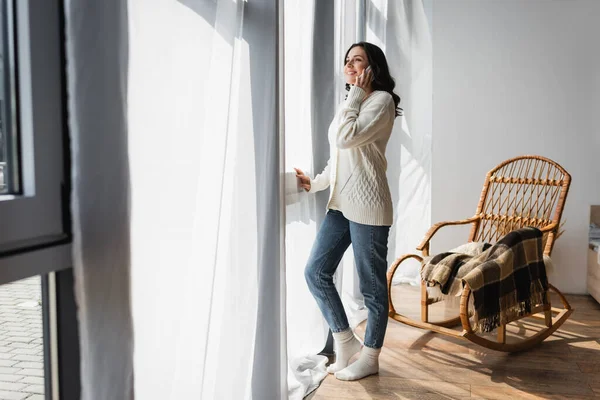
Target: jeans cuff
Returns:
[338, 330]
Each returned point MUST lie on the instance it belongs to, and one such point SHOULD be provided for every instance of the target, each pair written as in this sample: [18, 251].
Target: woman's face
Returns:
[356, 62]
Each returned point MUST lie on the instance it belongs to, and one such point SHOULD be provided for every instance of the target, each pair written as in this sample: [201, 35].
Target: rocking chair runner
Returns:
[522, 191]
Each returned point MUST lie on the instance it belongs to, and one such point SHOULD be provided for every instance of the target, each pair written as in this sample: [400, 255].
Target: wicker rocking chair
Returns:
[523, 191]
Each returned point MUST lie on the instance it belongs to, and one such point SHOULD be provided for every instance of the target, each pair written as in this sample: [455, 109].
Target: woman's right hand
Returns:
[364, 80]
[303, 179]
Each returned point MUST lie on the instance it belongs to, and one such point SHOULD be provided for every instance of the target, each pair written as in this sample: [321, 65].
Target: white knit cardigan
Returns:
[358, 136]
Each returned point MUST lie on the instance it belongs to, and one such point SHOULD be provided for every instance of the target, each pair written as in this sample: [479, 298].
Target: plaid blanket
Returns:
[506, 279]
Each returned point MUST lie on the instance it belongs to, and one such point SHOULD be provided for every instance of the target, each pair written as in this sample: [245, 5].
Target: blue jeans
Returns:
[370, 254]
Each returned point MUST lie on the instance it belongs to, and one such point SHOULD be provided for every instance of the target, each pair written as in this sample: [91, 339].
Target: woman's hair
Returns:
[382, 80]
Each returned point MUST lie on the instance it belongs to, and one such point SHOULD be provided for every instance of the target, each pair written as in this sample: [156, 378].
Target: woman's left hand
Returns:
[363, 81]
[303, 179]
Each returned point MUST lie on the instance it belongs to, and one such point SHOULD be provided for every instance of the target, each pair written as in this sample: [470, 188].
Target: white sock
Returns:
[367, 364]
[346, 345]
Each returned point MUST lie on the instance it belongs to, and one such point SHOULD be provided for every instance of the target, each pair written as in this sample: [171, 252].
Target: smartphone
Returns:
[368, 69]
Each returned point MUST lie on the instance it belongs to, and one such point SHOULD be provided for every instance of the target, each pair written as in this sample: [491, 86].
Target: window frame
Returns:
[45, 176]
[38, 214]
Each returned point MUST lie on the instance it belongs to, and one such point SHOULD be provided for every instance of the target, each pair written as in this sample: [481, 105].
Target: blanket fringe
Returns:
[512, 309]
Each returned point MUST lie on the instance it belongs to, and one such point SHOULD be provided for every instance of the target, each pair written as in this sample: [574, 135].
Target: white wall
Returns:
[513, 77]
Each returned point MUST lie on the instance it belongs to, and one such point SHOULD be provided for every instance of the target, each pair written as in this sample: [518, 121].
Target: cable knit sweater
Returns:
[356, 170]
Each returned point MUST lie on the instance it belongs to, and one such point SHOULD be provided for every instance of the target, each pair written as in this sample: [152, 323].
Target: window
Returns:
[34, 193]
[35, 222]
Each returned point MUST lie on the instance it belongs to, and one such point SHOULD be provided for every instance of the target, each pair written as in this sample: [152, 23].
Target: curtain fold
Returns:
[97, 62]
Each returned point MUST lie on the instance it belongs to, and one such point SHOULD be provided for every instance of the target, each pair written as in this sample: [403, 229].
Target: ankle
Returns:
[343, 336]
[370, 352]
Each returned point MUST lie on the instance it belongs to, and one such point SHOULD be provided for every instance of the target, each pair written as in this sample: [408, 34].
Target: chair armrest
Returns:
[549, 228]
[437, 226]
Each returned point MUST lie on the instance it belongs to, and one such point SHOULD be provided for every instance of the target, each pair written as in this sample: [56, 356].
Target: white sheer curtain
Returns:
[173, 110]
[207, 278]
[307, 330]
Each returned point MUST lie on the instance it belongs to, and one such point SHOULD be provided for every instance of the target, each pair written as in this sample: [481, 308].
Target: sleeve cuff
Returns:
[313, 187]
[355, 97]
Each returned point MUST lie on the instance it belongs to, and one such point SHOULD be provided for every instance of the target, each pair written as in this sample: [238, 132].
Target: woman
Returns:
[359, 208]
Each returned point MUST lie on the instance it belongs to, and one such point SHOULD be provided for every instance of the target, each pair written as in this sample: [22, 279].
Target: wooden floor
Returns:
[418, 364]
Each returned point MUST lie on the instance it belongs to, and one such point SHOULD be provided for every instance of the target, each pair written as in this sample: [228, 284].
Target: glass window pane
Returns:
[9, 165]
[22, 340]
